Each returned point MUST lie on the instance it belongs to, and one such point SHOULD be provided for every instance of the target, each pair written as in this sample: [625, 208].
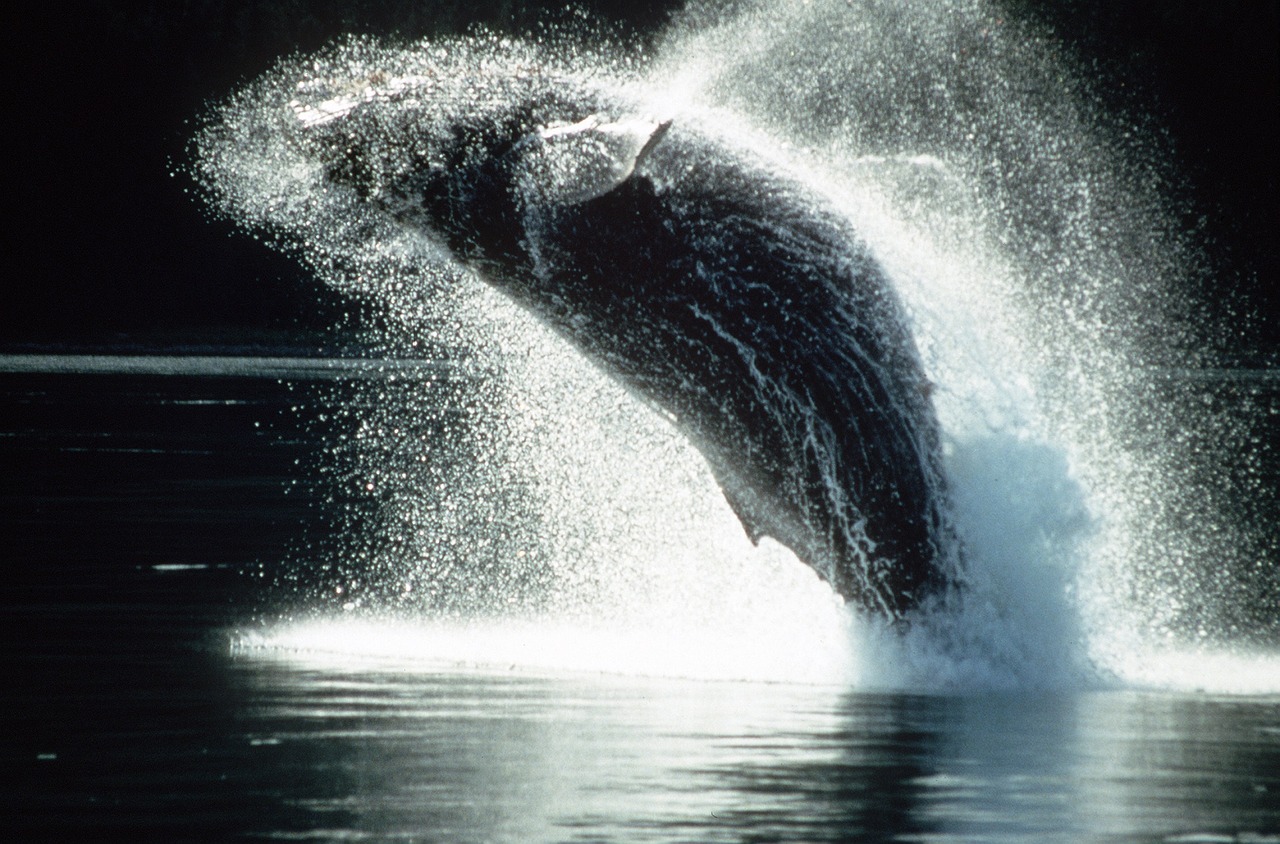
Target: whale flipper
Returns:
[570, 164]
[749, 523]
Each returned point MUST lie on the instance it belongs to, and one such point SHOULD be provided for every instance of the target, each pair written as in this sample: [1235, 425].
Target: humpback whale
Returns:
[718, 289]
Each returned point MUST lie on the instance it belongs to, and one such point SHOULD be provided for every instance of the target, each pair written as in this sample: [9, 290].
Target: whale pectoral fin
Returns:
[749, 524]
[657, 132]
[588, 159]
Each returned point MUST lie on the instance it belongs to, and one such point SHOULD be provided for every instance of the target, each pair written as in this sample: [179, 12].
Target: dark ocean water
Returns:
[145, 515]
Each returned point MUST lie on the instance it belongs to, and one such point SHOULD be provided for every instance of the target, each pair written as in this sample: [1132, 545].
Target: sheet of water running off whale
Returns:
[718, 327]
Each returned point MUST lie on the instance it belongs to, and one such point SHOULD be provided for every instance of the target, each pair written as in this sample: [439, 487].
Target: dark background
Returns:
[106, 250]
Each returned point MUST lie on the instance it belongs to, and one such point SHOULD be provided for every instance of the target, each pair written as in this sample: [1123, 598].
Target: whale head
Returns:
[459, 171]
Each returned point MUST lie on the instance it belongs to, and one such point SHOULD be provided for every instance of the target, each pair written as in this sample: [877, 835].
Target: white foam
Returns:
[689, 650]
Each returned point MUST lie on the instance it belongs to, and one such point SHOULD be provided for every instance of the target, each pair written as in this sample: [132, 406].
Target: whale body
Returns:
[724, 293]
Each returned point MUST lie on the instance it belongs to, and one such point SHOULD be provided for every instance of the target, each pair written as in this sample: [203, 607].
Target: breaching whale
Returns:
[723, 292]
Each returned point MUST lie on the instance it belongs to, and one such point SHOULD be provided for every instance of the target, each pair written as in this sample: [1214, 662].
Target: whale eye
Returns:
[567, 164]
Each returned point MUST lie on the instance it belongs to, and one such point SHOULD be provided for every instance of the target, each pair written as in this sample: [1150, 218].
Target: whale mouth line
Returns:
[320, 101]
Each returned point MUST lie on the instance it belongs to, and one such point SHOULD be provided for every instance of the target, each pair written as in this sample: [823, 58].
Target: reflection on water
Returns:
[474, 756]
[217, 747]
[511, 756]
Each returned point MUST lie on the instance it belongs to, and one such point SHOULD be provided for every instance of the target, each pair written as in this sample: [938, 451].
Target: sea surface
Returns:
[151, 506]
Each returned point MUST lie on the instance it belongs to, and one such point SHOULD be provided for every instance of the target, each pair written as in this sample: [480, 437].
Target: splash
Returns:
[526, 498]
